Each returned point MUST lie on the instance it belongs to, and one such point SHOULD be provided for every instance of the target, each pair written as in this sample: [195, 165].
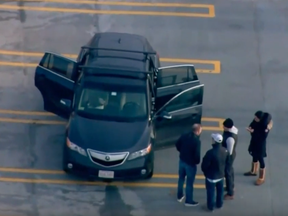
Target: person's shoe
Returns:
[261, 178]
[181, 199]
[219, 206]
[192, 204]
[225, 189]
[228, 197]
[210, 210]
[254, 170]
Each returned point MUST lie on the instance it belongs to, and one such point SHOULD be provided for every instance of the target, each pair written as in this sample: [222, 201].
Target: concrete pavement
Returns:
[247, 37]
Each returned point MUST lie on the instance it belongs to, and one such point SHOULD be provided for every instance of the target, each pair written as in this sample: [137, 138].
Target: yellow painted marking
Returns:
[122, 3]
[20, 112]
[52, 122]
[29, 54]
[216, 64]
[17, 64]
[71, 182]
[55, 172]
[217, 128]
[210, 14]
[32, 121]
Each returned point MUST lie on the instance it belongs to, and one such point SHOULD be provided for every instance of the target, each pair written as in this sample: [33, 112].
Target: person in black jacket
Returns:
[258, 152]
[254, 125]
[189, 147]
[213, 166]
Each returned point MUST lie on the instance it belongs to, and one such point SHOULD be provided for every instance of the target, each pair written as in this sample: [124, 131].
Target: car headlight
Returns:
[76, 148]
[140, 153]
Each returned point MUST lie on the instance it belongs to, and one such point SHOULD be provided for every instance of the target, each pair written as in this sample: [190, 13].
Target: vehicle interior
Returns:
[118, 102]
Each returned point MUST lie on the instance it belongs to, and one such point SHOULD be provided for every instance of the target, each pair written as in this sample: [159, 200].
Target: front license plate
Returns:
[106, 174]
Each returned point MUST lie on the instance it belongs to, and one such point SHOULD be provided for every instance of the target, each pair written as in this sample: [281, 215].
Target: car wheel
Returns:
[64, 163]
[64, 167]
[150, 175]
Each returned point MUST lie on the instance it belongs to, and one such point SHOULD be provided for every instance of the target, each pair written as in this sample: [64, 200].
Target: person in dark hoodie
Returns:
[213, 166]
[254, 125]
[230, 138]
[261, 132]
[189, 147]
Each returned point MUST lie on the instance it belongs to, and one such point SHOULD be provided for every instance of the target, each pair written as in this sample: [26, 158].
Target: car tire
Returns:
[64, 163]
[64, 166]
[150, 175]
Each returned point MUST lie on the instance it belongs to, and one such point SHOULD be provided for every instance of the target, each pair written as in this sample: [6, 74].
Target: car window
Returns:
[58, 64]
[61, 66]
[192, 97]
[176, 75]
[112, 102]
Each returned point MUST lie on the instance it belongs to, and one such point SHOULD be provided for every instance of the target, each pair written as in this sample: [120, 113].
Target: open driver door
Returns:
[54, 79]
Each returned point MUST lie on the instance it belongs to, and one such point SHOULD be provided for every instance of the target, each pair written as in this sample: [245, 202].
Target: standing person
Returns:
[254, 126]
[259, 152]
[189, 147]
[213, 166]
[230, 138]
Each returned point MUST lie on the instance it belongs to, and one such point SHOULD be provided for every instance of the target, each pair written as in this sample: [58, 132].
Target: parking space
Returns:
[41, 117]
[50, 176]
[229, 39]
[17, 58]
[32, 140]
[135, 8]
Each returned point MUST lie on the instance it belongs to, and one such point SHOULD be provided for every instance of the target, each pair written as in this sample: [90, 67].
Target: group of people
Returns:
[217, 164]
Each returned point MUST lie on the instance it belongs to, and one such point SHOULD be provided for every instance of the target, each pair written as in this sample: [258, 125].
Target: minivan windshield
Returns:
[112, 102]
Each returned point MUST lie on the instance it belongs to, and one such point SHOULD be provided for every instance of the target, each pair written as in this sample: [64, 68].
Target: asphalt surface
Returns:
[248, 37]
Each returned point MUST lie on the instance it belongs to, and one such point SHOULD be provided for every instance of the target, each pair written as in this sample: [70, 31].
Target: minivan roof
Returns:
[118, 59]
[126, 41]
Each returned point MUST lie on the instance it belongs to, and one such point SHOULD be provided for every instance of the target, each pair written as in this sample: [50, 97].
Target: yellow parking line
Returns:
[29, 54]
[18, 64]
[71, 182]
[216, 69]
[54, 122]
[122, 3]
[60, 172]
[210, 14]
[21, 112]
[216, 64]
[219, 121]
[32, 121]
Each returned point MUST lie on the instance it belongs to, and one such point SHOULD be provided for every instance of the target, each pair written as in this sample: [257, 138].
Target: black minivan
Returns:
[121, 105]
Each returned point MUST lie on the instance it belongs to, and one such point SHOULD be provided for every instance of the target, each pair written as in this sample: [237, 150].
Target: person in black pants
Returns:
[258, 152]
[213, 166]
[230, 139]
[254, 126]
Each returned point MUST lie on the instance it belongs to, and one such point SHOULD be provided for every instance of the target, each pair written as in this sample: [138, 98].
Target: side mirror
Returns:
[165, 115]
[66, 102]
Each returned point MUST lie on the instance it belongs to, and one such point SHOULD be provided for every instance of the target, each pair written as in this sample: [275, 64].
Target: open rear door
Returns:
[54, 79]
[172, 80]
[179, 103]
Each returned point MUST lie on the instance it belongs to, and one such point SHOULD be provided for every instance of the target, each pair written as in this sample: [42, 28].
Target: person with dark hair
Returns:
[254, 126]
[213, 166]
[230, 138]
[260, 133]
[189, 147]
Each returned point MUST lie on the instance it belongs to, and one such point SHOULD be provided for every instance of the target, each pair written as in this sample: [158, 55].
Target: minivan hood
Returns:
[108, 136]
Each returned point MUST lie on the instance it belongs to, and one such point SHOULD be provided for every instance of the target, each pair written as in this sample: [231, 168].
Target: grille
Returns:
[107, 163]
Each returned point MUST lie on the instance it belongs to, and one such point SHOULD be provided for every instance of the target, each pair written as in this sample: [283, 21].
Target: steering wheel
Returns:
[131, 107]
